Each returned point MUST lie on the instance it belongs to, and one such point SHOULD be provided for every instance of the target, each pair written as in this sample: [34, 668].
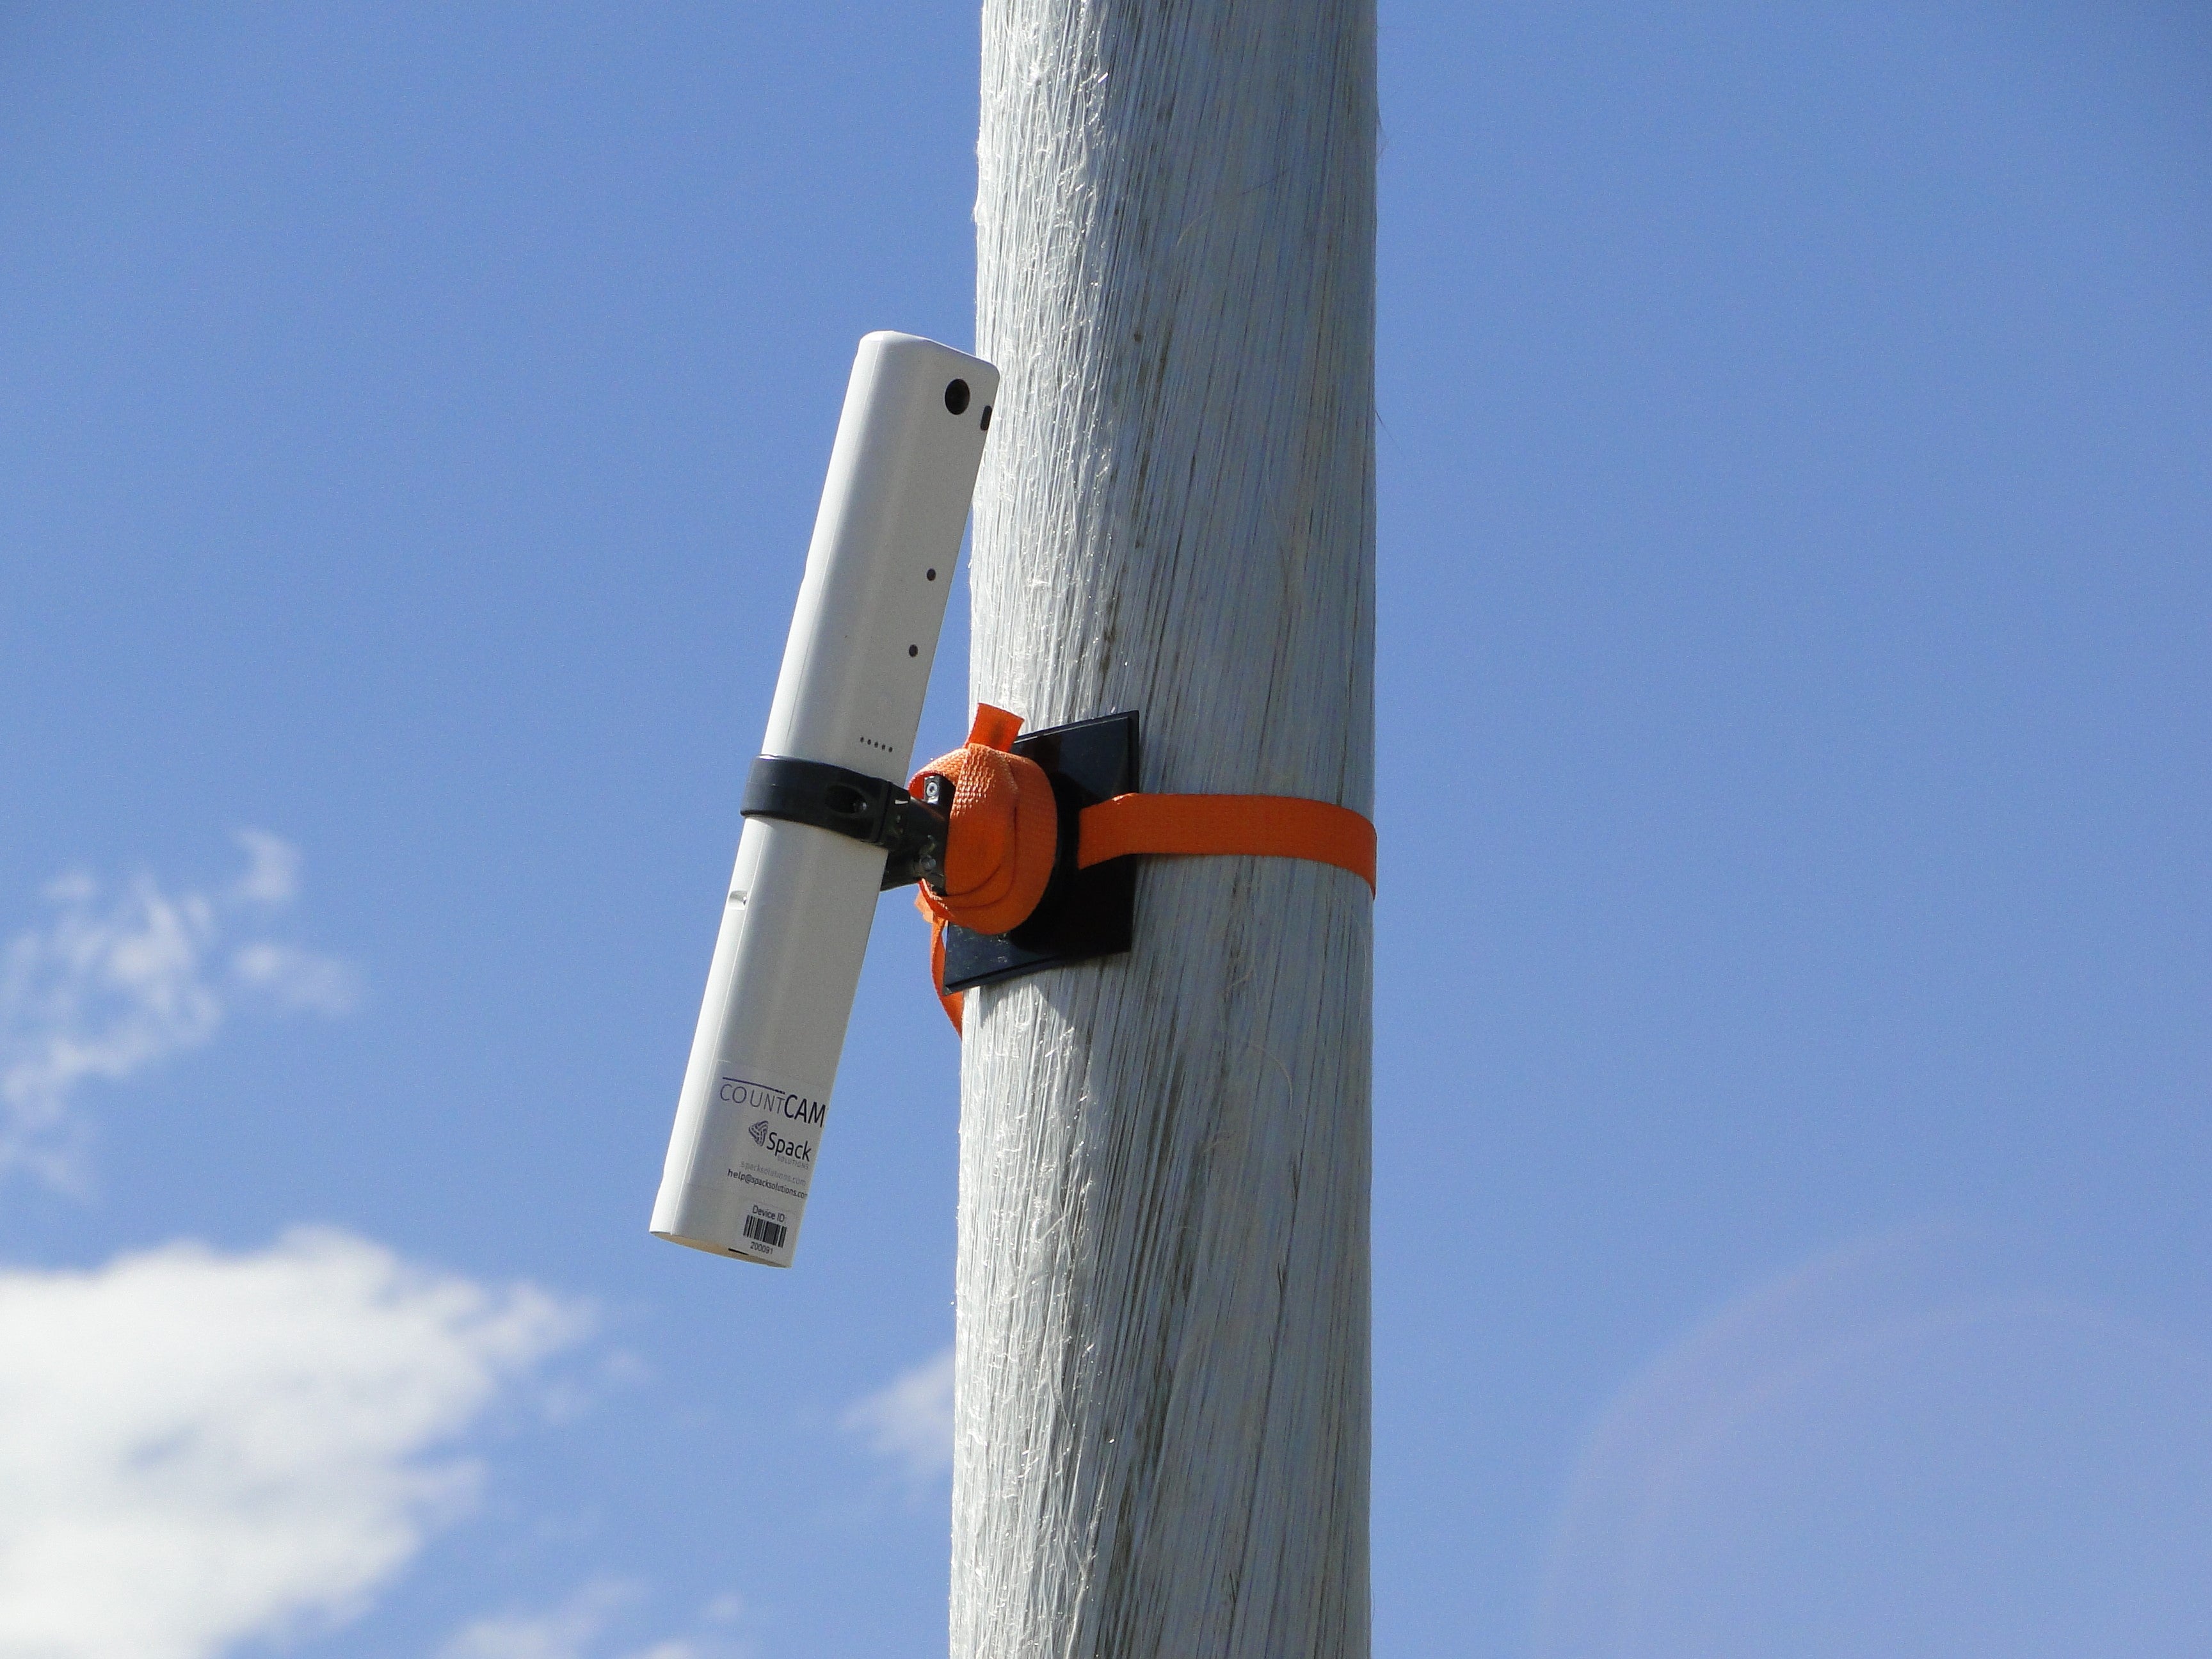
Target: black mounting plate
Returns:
[1084, 913]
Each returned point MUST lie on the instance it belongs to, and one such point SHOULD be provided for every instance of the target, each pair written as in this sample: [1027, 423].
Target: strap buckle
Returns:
[869, 810]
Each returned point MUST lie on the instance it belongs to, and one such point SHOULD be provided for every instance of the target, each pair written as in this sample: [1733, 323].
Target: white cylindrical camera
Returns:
[756, 1097]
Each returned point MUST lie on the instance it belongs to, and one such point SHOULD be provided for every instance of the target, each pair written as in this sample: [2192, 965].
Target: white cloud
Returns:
[909, 1419]
[118, 978]
[198, 1448]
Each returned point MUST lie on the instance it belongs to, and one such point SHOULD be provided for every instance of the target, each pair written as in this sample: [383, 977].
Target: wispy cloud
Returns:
[198, 1449]
[574, 1630]
[909, 1419]
[118, 977]
[565, 1632]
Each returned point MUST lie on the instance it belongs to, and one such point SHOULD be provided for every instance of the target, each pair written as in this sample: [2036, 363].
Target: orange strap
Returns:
[1256, 826]
[1005, 833]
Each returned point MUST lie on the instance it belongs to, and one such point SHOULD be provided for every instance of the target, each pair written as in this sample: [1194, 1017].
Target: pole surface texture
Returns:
[1163, 1400]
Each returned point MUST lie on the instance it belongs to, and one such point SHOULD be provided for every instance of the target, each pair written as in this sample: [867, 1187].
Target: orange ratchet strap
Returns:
[1004, 829]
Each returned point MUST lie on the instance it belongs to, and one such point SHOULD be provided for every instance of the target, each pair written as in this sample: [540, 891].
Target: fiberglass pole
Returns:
[1162, 1398]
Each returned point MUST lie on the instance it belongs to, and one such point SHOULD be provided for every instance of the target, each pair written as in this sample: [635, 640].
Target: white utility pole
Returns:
[1163, 1396]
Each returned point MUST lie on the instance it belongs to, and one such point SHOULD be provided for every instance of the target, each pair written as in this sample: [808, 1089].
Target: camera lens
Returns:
[956, 396]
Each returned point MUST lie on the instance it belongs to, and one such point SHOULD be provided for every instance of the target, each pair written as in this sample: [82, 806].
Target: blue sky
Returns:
[1792, 969]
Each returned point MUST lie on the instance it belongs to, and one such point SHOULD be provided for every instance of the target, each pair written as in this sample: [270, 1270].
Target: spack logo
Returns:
[759, 1133]
[782, 1146]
